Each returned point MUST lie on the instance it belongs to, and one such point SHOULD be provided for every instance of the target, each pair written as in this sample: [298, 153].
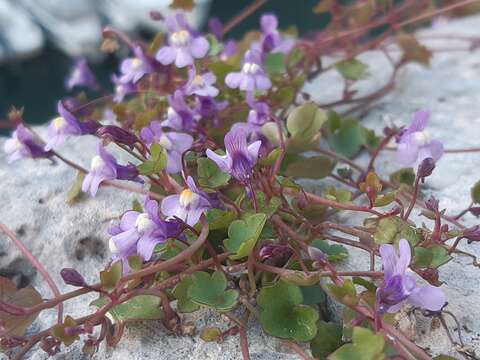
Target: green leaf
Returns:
[431, 257]
[58, 331]
[16, 325]
[210, 334]
[215, 46]
[345, 136]
[335, 252]
[346, 293]
[210, 290]
[221, 69]
[243, 235]
[413, 50]
[271, 158]
[210, 175]
[403, 176]
[76, 190]
[304, 124]
[137, 206]
[135, 262]
[288, 183]
[219, 219]
[313, 295]
[110, 278]
[475, 192]
[316, 167]
[327, 340]
[283, 96]
[352, 69]
[283, 315]
[156, 163]
[275, 63]
[385, 199]
[390, 230]
[184, 303]
[337, 194]
[141, 307]
[366, 346]
[370, 286]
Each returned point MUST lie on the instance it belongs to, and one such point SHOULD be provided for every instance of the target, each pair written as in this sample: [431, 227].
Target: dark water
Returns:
[38, 83]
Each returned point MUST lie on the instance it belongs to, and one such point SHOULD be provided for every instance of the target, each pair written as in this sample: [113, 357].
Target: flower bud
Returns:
[472, 233]
[426, 168]
[72, 277]
[117, 134]
[319, 258]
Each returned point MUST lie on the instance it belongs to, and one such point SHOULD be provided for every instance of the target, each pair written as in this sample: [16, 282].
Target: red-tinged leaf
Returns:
[414, 51]
[186, 5]
[26, 297]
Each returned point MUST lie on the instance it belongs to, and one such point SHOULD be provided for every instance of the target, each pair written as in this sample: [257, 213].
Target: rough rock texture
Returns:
[33, 205]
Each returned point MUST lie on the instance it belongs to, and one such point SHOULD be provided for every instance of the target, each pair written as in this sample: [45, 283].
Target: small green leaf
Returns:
[392, 229]
[403, 176]
[327, 340]
[156, 163]
[141, 307]
[475, 192]
[345, 136]
[243, 235]
[304, 124]
[210, 290]
[110, 278]
[431, 257]
[210, 175]
[337, 194]
[313, 295]
[283, 314]
[210, 334]
[335, 252]
[58, 331]
[219, 219]
[385, 199]
[283, 96]
[316, 167]
[275, 63]
[352, 69]
[135, 262]
[346, 293]
[365, 283]
[76, 190]
[215, 46]
[287, 182]
[366, 346]
[184, 303]
[271, 158]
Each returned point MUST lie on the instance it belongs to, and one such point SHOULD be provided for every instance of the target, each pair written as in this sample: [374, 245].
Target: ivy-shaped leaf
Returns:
[327, 340]
[219, 219]
[156, 163]
[304, 124]
[210, 290]
[243, 235]
[431, 257]
[352, 69]
[404, 176]
[58, 331]
[346, 136]
[275, 63]
[26, 297]
[210, 175]
[184, 303]
[337, 194]
[392, 229]
[141, 307]
[475, 192]
[335, 252]
[283, 314]
[345, 293]
[413, 50]
[109, 278]
[316, 167]
[366, 346]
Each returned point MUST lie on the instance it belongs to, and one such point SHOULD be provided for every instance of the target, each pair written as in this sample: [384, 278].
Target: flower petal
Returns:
[405, 257]
[171, 205]
[428, 297]
[223, 162]
[389, 259]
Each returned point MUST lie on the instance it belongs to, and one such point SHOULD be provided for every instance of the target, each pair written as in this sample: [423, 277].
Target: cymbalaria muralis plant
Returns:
[219, 133]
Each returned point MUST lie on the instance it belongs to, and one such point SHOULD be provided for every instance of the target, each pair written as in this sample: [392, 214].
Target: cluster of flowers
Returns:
[179, 129]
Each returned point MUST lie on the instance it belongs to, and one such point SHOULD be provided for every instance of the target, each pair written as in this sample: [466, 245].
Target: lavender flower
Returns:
[189, 205]
[240, 158]
[416, 144]
[252, 76]
[209, 108]
[105, 167]
[229, 49]
[400, 286]
[61, 127]
[258, 115]
[174, 143]
[183, 45]
[201, 85]
[122, 89]
[23, 144]
[134, 68]
[179, 115]
[81, 75]
[139, 233]
[272, 40]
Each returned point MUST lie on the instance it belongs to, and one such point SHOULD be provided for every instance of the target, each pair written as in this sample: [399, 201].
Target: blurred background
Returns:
[39, 40]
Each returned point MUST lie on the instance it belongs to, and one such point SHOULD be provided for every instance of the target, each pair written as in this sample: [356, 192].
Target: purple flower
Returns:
[399, 284]
[272, 40]
[61, 127]
[252, 76]
[105, 167]
[174, 143]
[209, 108]
[134, 68]
[201, 85]
[139, 233]
[258, 115]
[183, 45]
[122, 89]
[189, 205]
[416, 144]
[229, 49]
[179, 115]
[81, 75]
[240, 158]
[23, 144]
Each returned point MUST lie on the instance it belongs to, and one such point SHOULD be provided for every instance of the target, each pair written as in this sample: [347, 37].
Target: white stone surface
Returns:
[32, 199]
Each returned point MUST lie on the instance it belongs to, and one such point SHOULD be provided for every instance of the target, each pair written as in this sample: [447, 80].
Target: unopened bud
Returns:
[426, 168]
[72, 277]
